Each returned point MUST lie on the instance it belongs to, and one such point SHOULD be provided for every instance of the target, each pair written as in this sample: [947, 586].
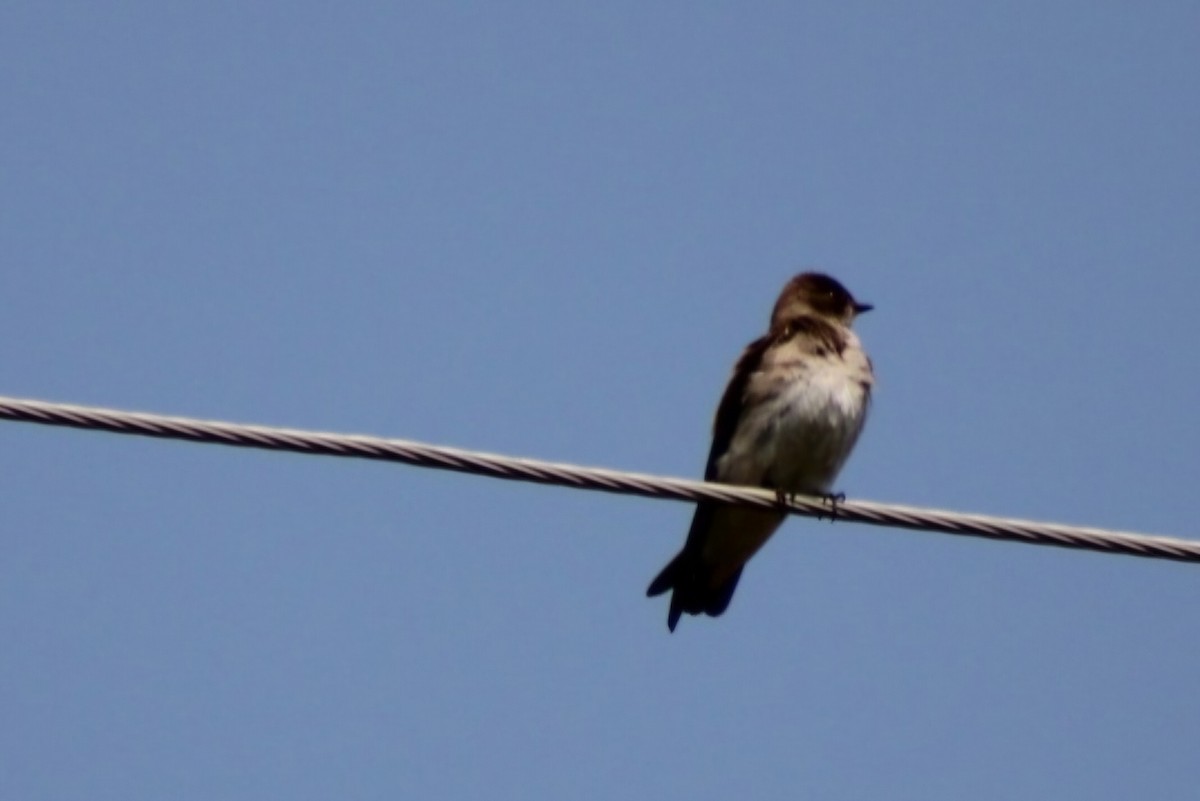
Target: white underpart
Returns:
[797, 438]
[801, 415]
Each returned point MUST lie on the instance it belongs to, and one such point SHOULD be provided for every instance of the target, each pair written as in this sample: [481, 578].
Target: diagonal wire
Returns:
[591, 478]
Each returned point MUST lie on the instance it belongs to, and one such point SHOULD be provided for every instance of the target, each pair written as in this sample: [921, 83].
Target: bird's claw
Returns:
[833, 499]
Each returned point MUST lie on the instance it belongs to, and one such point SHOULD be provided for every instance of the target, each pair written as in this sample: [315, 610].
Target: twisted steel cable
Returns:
[507, 467]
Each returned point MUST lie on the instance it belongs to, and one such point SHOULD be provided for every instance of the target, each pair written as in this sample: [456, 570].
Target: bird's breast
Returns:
[798, 426]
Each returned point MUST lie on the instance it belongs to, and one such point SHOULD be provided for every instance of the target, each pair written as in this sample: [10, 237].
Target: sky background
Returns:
[548, 230]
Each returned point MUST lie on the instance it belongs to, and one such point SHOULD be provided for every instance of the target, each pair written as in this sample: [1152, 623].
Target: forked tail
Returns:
[690, 582]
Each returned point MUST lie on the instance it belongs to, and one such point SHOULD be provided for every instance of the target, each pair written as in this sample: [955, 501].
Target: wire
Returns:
[591, 478]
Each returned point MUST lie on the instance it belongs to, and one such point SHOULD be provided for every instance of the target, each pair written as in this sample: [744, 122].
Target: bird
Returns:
[789, 417]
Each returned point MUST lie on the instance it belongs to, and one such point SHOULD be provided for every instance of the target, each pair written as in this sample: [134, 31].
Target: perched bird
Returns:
[789, 418]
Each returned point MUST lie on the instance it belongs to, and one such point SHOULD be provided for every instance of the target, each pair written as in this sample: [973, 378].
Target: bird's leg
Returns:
[833, 499]
[787, 498]
[782, 496]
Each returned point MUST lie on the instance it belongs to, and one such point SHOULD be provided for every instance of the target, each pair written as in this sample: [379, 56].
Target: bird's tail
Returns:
[691, 593]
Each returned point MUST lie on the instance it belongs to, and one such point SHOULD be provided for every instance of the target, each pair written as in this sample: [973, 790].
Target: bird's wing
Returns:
[729, 411]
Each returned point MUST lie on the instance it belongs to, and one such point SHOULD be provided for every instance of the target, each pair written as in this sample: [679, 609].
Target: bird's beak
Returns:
[862, 308]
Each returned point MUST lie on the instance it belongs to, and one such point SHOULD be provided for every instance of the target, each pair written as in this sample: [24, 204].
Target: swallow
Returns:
[787, 421]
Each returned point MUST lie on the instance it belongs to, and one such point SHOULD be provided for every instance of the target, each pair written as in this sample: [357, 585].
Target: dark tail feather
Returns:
[674, 613]
[665, 579]
[690, 593]
[718, 599]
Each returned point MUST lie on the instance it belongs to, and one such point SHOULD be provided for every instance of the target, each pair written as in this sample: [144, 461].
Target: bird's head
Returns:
[819, 295]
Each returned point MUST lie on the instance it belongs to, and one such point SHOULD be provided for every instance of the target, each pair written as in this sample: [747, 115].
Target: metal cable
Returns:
[507, 467]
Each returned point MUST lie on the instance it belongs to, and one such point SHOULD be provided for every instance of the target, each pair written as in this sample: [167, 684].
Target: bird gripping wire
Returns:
[591, 478]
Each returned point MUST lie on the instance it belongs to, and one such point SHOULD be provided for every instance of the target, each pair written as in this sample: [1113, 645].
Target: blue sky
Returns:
[548, 230]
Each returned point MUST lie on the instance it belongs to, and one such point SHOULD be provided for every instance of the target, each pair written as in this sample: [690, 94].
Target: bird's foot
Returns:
[833, 499]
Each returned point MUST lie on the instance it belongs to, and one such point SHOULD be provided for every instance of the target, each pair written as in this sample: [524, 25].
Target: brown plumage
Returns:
[787, 420]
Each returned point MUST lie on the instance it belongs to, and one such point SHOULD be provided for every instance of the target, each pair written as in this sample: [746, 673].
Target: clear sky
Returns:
[548, 229]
